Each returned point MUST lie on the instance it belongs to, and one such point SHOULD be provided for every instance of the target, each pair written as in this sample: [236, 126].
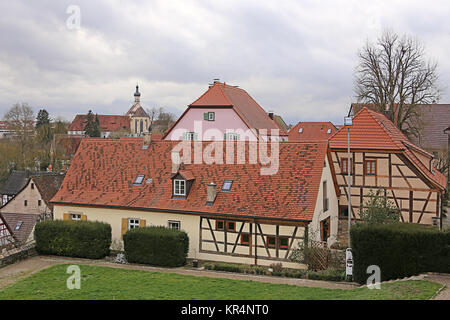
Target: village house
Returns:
[7, 239]
[135, 122]
[231, 211]
[381, 157]
[311, 131]
[226, 112]
[34, 195]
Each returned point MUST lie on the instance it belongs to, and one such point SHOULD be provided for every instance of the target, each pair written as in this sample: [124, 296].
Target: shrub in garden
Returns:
[159, 246]
[400, 250]
[81, 239]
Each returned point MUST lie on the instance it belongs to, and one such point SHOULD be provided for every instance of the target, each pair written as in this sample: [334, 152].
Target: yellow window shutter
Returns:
[124, 225]
[83, 217]
[66, 216]
[142, 223]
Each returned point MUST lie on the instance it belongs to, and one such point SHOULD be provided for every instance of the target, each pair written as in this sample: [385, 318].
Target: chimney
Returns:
[175, 161]
[147, 138]
[211, 193]
[271, 114]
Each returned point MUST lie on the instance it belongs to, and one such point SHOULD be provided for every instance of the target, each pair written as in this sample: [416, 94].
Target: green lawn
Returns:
[112, 283]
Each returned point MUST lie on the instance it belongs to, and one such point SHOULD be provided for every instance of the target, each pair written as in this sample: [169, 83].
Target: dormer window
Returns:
[227, 185]
[179, 187]
[139, 179]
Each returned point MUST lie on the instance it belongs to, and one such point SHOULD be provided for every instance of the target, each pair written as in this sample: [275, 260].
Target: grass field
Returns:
[106, 283]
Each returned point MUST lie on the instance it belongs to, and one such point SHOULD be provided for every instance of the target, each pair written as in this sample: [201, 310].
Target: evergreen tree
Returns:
[97, 133]
[90, 124]
[42, 118]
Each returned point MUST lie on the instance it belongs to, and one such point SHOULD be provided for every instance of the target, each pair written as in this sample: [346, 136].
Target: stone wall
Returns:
[16, 254]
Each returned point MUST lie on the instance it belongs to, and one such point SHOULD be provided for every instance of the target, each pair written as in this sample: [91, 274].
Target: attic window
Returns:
[139, 179]
[227, 185]
[209, 116]
[329, 131]
[300, 130]
[144, 146]
[179, 187]
[18, 225]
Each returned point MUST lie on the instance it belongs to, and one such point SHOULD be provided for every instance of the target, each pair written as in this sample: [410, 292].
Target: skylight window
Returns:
[18, 225]
[227, 185]
[300, 130]
[329, 131]
[139, 179]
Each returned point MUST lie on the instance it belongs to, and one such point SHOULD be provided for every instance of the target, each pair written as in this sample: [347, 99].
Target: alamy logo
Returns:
[373, 281]
[74, 281]
[73, 22]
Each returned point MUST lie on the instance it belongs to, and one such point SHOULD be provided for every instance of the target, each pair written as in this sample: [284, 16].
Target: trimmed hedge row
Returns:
[326, 275]
[400, 250]
[81, 239]
[159, 246]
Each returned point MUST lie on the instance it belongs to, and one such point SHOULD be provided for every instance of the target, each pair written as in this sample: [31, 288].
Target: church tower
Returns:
[139, 119]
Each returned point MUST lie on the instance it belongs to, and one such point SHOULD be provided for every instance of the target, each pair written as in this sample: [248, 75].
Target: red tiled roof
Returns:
[107, 122]
[223, 95]
[311, 131]
[373, 130]
[434, 119]
[103, 170]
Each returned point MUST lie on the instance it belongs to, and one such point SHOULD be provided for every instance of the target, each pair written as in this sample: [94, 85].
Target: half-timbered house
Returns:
[230, 210]
[381, 157]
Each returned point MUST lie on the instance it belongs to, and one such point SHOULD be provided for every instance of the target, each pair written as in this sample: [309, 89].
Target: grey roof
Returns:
[17, 180]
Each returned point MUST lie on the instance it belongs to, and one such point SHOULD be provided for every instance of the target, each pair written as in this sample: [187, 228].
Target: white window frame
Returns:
[133, 223]
[190, 136]
[232, 136]
[75, 216]
[173, 224]
[211, 116]
[177, 183]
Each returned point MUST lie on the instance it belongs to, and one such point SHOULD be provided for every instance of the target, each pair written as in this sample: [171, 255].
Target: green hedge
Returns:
[81, 239]
[400, 250]
[159, 246]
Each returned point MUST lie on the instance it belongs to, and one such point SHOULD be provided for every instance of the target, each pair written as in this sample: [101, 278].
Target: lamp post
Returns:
[348, 122]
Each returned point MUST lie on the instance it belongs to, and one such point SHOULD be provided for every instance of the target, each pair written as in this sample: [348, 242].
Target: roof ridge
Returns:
[382, 125]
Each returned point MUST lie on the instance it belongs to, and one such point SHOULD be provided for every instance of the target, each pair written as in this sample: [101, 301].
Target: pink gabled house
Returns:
[225, 112]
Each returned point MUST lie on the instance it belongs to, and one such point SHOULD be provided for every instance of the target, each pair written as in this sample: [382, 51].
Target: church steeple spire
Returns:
[137, 94]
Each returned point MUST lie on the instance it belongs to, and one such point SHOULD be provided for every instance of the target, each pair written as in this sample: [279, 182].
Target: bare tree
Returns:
[20, 119]
[393, 75]
[160, 120]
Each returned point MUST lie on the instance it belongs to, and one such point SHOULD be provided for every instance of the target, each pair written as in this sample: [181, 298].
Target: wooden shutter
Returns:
[195, 136]
[66, 216]
[205, 116]
[224, 136]
[83, 217]
[124, 225]
[142, 223]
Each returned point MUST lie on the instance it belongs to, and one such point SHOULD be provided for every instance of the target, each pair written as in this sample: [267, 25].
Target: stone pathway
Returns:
[24, 268]
[444, 279]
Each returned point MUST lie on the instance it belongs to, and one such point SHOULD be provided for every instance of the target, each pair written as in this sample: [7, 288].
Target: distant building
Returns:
[135, 122]
[311, 131]
[21, 225]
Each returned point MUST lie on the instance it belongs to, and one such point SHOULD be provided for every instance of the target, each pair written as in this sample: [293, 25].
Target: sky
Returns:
[295, 58]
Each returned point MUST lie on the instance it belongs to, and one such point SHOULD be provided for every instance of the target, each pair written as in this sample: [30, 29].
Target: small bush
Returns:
[222, 266]
[159, 246]
[400, 250]
[80, 239]
[277, 267]
[326, 275]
